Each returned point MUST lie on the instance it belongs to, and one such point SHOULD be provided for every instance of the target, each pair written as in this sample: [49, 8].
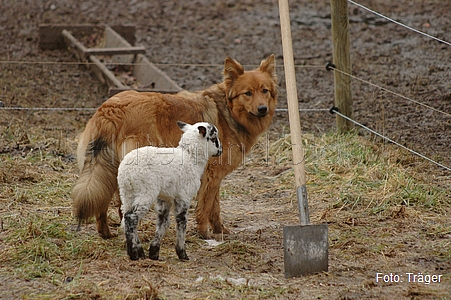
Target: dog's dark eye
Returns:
[265, 91]
[249, 94]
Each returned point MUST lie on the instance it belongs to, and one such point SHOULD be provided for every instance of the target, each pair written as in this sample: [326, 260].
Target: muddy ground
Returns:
[189, 41]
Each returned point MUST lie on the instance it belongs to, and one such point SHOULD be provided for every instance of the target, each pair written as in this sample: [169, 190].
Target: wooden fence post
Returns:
[342, 61]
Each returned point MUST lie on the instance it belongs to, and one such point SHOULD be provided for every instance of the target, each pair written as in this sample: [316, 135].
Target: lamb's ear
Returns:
[232, 69]
[202, 130]
[268, 65]
[183, 126]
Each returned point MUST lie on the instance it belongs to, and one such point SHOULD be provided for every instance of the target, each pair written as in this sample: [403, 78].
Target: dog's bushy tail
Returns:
[94, 188]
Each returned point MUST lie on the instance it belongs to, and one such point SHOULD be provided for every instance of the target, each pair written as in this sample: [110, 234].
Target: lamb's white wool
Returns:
[165, 176]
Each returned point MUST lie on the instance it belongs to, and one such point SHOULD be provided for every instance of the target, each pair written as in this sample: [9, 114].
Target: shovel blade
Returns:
[306, 250]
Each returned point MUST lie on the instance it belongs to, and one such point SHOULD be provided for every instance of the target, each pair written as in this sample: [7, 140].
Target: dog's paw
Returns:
[202, 230]
[224, 230]
[219, 228]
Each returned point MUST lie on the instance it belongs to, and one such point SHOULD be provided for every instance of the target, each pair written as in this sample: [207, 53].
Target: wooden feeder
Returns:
[112, 57]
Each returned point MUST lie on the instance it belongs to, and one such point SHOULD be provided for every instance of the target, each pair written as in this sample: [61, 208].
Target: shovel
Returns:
[306, 246]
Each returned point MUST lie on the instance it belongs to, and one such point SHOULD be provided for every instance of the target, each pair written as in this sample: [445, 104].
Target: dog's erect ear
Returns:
[232, 69]
[268, 65]
[183, 126]
[202, 130]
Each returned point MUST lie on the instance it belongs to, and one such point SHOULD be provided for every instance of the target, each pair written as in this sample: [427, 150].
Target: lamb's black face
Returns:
[205, 131]
[212, 136]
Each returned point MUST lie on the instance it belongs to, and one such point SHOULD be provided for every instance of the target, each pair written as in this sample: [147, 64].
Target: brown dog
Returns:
[242, 107]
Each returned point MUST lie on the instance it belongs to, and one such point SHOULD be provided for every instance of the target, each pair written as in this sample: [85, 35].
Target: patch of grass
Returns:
[38, 229]
[39, 241]
[32, 247]
[48, 248]
[235, 247]
[361, 176]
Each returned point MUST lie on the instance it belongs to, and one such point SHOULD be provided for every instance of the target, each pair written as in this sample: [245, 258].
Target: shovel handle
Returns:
[292, 99]
[293, 112]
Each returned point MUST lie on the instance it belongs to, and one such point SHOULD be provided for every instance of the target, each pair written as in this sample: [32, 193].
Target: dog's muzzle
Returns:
[262, 110]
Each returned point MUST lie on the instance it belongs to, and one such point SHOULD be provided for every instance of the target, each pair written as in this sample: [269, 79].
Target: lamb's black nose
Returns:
[262, 109]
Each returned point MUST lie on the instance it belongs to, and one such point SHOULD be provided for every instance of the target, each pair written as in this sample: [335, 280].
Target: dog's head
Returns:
[252, 93]
[202, 134]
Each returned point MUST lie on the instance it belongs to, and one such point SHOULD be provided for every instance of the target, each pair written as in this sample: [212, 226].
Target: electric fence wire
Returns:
[334, 110]
[399, 23]
[332, 67]
[49, 108]
[303, 109]
[92, 109]
[181, 65]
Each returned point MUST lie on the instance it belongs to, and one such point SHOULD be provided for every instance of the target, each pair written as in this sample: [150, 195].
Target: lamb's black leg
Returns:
[181, 216]
[162, 208]
[134, 247]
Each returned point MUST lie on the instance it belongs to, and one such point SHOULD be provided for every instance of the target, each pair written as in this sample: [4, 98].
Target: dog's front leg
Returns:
[208, 207]
[215, 215]
[204, 203]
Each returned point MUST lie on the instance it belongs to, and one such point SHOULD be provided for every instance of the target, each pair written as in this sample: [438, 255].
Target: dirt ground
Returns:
[189, 40]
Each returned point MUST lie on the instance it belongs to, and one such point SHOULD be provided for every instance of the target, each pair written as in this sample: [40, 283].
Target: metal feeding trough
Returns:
[112, 57]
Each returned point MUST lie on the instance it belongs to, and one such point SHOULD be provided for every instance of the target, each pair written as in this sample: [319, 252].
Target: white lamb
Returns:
[164, 176]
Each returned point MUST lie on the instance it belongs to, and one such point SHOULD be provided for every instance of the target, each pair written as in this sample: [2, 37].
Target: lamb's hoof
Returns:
[184, 257]
[181, 253]
[136, 253]
[154, 252]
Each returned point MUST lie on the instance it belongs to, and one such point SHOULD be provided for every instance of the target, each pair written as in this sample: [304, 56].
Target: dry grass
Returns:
[376, 204]
[365, 177]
